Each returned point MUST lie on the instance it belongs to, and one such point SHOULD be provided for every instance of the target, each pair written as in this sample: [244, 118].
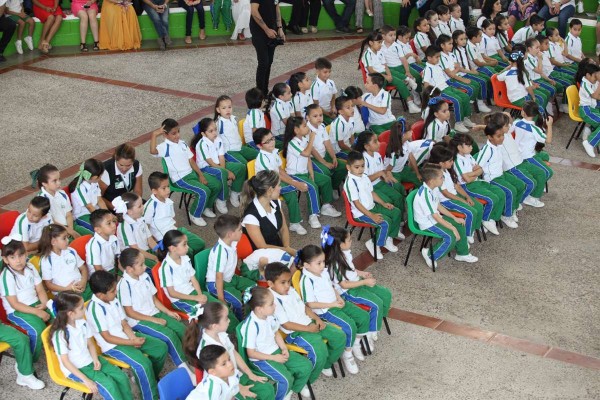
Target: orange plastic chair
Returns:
[501, 96]
[384, 137]
[244, 247]
[350, 221]
[7, 221]
[417, 130]
[79, 245]
[160, 293]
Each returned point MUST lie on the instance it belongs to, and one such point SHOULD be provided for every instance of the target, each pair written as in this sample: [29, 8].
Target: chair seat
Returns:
[408, 186]
[4, 346]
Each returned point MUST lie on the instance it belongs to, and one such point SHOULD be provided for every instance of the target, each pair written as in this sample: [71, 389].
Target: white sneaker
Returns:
[508, 221]
[328, 372]
[416, 98]
[197, 220]
[471, 239]
[550, 109]
[19, 46]
[412, 108]
[221, 206]
[483, 107]
[374, 335]
[356, 349]
[349, 362]
[370, 247]
[289, 395]
[389, 244]
[564, 108]
[468, 123]
[335, 195]
[469, 258]
[305, 392]
[299, 229]
[329, 211]
[490, 226]
[234, 199]
[371, 341]
[411, 83]
[400, 236]
[30, 381]
[514, 217]
[460, 127]
[533, 202]
[586, 132]
[313, 29]
[29, 42]
[520, 207]
[589, 149]
[209, 213]
[313, 221]
[426, 256]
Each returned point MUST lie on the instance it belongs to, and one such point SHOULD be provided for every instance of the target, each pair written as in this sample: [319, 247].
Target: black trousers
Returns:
[297, 10]
[264, 56]
[7, 27]
[310, 12]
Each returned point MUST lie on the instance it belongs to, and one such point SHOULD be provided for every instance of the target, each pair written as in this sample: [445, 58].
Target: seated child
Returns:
[227, 127]
[403, 155]
[589, 94]
[535, 26]
[355, 93]
[255, 117]
[323, 89]
[456, 22]
[502, 27]
[29, 225]
[422, 39]
[489, 45]
[573, 52]
[437, 123]
[552, 72]
[280, 107]
[254, 265]
[555, 51]
[379, 103]
[533, 65]
[19, 342]
[477, 59]
[301, 97]
[396, 58]
[85, 192]
[341, 130]
[145, 354]
[464, 64]
[72, 341]
[403, 35]
[102, 250]
[16, 12]
[443, 20]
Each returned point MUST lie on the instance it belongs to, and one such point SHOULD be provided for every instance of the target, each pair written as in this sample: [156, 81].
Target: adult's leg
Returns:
[563, 19]
[155, 18]
[83, 25]
[259, 41]
[405, 12]
[359, 11]
[329, 7]
[189, 17]
[93, 21]
[348, 11]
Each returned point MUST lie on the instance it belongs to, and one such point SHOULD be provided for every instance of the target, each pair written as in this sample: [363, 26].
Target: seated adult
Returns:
[521, 10]
[489, 10]
[342, 24]
[119, 27]
[7, 28]
[51, 16]
[564, 9]
[158, 11]
[262, 221]
[122, 174]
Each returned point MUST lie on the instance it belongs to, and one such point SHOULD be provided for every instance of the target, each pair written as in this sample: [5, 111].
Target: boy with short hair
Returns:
[220, 381]
[144, 354]
[29, 225]
[573, 49]
[536, 25]
[403, 35]
[221, 280]
[103, 248]
[478, 60]
[456, 22]
[379, 103]
[341, 130]
[159, 213]
[323, 89]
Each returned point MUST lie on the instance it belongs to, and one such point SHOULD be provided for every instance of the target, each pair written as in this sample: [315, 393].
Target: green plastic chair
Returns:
[201, 265]
[186, 195]
[412, 225]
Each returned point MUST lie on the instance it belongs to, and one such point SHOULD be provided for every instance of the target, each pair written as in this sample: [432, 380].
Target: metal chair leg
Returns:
[412, 241]
[432, 259]
[576, 132]
[478, 235]
[63, 393]
[186, 203]
[387, 326]
[312, 394]
[484, 234]
[341, 365]
[360, 233]
[374, 240]
[333, 371]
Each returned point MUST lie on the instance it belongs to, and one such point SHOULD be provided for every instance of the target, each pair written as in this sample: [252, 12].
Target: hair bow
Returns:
[13, 236]
[432, 90]
[196, 128]
[343, 93]
[34, 176]
[196, 312]
[516, 55]
[326, 238]
[82, 174]
[402, 122]
[159, 246]
[297, 258]
[247, 295]
[120, 205]
[434, 100]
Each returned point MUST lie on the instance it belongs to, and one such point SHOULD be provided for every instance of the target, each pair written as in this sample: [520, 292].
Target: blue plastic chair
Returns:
[176, 385]
[364, 113]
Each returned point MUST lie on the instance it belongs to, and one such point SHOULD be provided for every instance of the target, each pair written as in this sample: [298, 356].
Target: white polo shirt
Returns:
[359, 188]
[392, 54]
[374, 60]
[531, 63]
[273, 255]
[22, 285]
[435, 76]
[139, 294]
[449, 61]
[447, 185]
[99, 251]
[323, 92]
[474, 52]
[223, 341]
[359, 124]
[177, 157]
[280, 110]
[502, 39]
[75, 346]
[290, 308]
[396, 161]
[463, 165]
[268, 161]
[259, 334]
[60, 205]
[213, 388]
[126, 177]
[573, 47]
[255, 118]
[585, 93]
[527, 134]
[547, 66]
[373, 164]
[489, 45]
[296, 163]
[30, 232]
[105, 317]
[425, 205]
[460, 54]
[341, 130]
[444, 28]
[511, 155]
[86, 193]
[209, 150]
[300, 101]
[229, 133]
[62, 269]
[514, 89]
[321, 136]
[177, 276]
[436, 130]
[222, 258]
[381, 99]
[555, 51]
[317, 289]
[420, 149]
[490, 159]
[160, 216]
[421, 40]
[350, 275]
[407, 49]
[456, 24]
[523, 34]
[132, 232]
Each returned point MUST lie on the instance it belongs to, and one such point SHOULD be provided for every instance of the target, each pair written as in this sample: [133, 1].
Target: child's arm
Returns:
[309, 147]
[502, 56]
[31, 247]
[406, 66]
[69, 225]
[155, 134]
[345, 284]
[200, 298]
[570, 56]
[131, 340]
[219, 285]
[378, 110]
[444, 211]
[453, 74]
[320, 159]
[316, 304]
[379, 200]
[151, 244]
[257, 355]
[301, 186]
[377, 218]
[101, 203]
[540, 70]
[161, 307]
[201, 176]
[489, 60]
[76, 372]
[465, 196]
[42, 295]
[18, 306]
[450, 196]
[412, 163]
[438, 218]
[331, 152]
[377, 175]
[549, 122]
[311, 171]
[333, 111]
[293, 326]
[242, 366]
[131, 313]
[343, 145]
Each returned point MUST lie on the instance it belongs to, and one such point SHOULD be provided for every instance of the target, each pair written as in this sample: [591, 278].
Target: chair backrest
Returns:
[385, 136]
[176, 385]
[412, 46]
[382, 149]
[500, 93]
[199, 375]
[201, 265]
[66, 190]
[296, 282]
[240, 346]
[363, 71]
[328, 128]
[349, 217]
[410, 214]
[267, 121]
[573, 101]
[79, 245]
[283, 160]
[417, 129]
[241, 129]
[7, 221]
[244, 247]
[251, 168]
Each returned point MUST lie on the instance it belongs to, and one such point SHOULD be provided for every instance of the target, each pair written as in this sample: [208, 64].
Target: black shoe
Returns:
[342, 29]
[2, 58]
[295, 30]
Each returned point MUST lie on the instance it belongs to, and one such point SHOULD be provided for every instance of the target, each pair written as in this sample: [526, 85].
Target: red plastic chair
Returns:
[160, 293]
[384, 137]
[199, 375]
[7, 221]
[357, 224]
[244, 247]
[267, 121]
[390, 88]
[412, 46]
[79, 245]
[417, 130]
[4, 319]
[510, 33]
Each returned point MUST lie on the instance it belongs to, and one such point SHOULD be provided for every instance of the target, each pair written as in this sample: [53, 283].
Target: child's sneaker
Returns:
[426, 257]
[29, 42]
[589, 149]
[550, 109]
[490, 226]
[533, 202]
[520, 207]
[30, 381]
[471, 239]
[460, 127]
[412, 108]
[329, 211]
[483, 107]
[299, 229]
[400, 236]
[411, 83]
[357, 350]
[416, 97]
[19, 46]
[313, 221]
[221, 206]
[469, 258]
[209, 213]
[598, 49]
[349, 362]
[289, 395]
[508, 221]
[514, 217]
[371, 341]
[234, 199]
[371, 248]
[305, 392]
[586, 133]
[197, 220]
[328, 372]
[389, 244]
[468, 123]
[374, 335]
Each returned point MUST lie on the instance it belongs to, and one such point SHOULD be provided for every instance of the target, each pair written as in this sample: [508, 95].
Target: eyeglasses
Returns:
[271, 140]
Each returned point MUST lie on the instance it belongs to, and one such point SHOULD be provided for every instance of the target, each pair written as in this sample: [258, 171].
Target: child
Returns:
[19, 342]
[145, 313]
[102, 249]
[85, 192]
[269, 160]
[48, 180]
[319, 294]
[209, 331]
[221, 280]
[536, 25]
[159, 213]
[72, 341]
[354, 93]
[145, 354]
[323, 343]
[421, 40]
[323, 89]
[374, 61]
[267, 351]
[280, 107]
[403, 34]
[436, 124]
[397, 62]
[229, 133]
[301, 97]
[477, 59]
[212, 159]
[459, 41]
[255, 117]
[533, 64]
[254, 265]
[17, 13]
[29, 225]
[62, 268]
[555, 51]
[443, 13]
[324, 159]
[456, 22]
[219, 380]
[297, 150]
[341, 131]
[402, 150]
[431, 216]
[452, 196]
[573, 52]
[368, 206]
[432, 17]
[133, 231]
[502, 27]
[379, 103]
[548, 69]
[435, 76]
[490, 45]
[23, 294]
[183, 171]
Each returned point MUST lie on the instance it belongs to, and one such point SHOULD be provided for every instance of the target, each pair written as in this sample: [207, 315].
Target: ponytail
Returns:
[213, 312]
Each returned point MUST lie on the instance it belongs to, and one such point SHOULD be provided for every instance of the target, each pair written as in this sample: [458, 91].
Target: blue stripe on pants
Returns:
[460, 86]
[287, 189]
[162, 337]
[417, 67]
[446, 242]
[383, 230]
[31, 332]
[217, 173]
[546, 85]
[236, 304]
[468, 214]
[329, 317]
[342, 155]
[482, 84]
[138, 370]
[529, 184]
[312, 193]
[101, 389]
[202, 196]
[540, 165]
[232, 159]
[301, 342]
[487, 208]
[182, 306]
[594, 137]
[508, 211]
[373, 312]
[83, 223]
[316, 168]
[457, 114]
[282, 386]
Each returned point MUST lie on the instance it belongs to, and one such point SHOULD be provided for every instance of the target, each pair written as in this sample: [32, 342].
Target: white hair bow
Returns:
[13, 236]
[119, 205]
[197, 311]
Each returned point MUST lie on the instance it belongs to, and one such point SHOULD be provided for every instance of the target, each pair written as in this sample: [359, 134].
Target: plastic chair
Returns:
[251, 168]
[501, 96]
[241, 129]
[79, 245]
[199, 375]
[417, 129]
[357, 224]
[201, 265]
[4, 347]
[176, 385]
[573, 102]
[427, 236]
[412, 46]
[384, 137]
[160, 293]
[186, 195]
[244, 247]
[7, 221]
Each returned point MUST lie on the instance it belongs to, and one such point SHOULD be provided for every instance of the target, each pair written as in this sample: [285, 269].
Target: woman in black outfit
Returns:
[265, 26]
[122, 174]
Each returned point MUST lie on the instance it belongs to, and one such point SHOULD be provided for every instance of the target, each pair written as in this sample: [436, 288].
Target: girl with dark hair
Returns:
[85, 192]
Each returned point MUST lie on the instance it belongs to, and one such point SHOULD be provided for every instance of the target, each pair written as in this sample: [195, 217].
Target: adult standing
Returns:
[342, 24]
[265, 26]
[7, 27]
[122, 174]
[564, 9]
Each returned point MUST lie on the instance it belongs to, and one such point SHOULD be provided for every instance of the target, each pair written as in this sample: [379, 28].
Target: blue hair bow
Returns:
[434, 100]
[516, 55]
[159, 246]
[297, 258]
[326, 238]
[402, 122]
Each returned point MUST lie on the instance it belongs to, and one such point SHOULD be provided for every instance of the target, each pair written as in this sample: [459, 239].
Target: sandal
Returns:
[83, 48]
[188, 40]
[96, 47]
[44, 47]
[359, 30]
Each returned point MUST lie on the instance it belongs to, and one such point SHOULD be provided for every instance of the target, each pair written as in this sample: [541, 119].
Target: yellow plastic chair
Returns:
[3, 348]
[241, 129]
[251, 168]
[573, 102]
[283, 161]
[296, 282]
[328, 128]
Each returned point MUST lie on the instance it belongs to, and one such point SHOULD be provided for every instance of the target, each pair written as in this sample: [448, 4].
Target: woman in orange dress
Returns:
[119, 27]
[51, 15]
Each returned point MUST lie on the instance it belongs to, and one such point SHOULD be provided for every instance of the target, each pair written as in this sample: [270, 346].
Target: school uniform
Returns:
[19, 342]
[564, 79]
[490, 46]
[103, 252]
[474, 53]
[214, 388]
[393, 55]
[513, 163]
[377, 61]
[179, 276]
[456, 24]
[490, 159]
[476, 89]
[473, 214]
[235, 151]
[390, 193]
[323, 347]
[380, 123]
[259, 335]
[421, 40]
[207, 149]
[255, 118]
[360, 188]
[60, 207]
[436, 130]
[555, 51]
[415, 66]
[336, 174]
[378, 298]
[319, 289]
[146, 361]
[359, 124]
[280, 110]
[85, 193]
[131, 232]
[589, 111]
[250, 264]
[63, 269]
[177, 156]
[527, 135]
[30, 232]
[23, 286]
[400, 168]
[341, 130]
[517, 92]
[300, 101]
[434, 75]
[139, 294]
[425, 205]
[73, 342]
[223, 258]
[531, 63]
[502, 40]
[272, 162]
[324, 92]
[462, 57]
[521, 36]
[574, 48]
[444, 28]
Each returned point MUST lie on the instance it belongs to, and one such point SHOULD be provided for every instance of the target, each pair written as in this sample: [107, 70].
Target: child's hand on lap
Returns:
[245, 390]
[301, 186]
[97, 365]
[340, 303]
[370, 282]
[320, 324]
[174, 315]
[202, 299]
[376, 217]
[389, 206]
[91, 385]
[314, 328]
[159, 321]
[255, 378]
[137, 341]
